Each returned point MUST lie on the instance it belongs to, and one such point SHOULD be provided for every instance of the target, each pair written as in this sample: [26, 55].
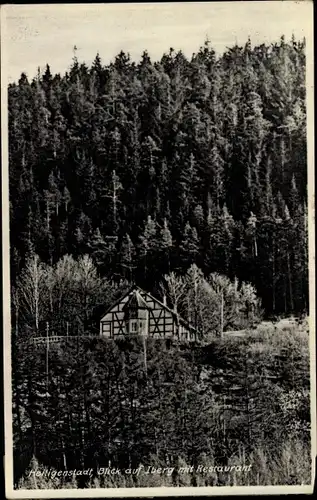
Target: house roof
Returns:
[136, 301]
[137, 291]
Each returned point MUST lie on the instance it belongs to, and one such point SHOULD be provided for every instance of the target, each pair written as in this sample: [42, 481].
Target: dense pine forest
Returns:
[150, 168]
[187, 177]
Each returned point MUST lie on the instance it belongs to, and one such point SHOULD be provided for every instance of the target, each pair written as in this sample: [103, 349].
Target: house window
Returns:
[106, 328]
[133, 326]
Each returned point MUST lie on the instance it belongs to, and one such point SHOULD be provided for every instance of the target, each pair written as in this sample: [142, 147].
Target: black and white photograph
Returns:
[158, 227]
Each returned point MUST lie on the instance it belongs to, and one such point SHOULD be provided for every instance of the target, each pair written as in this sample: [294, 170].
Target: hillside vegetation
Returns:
[234, 401]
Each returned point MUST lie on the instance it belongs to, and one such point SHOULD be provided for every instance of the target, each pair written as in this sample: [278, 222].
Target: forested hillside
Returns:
[152, 167]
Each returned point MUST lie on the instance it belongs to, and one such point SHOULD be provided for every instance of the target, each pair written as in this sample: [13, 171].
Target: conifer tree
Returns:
[189, 246]
[148, 244]
[127, 257]
[165, 244]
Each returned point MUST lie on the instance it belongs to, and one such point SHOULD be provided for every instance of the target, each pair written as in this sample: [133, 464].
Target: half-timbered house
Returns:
[139, 313]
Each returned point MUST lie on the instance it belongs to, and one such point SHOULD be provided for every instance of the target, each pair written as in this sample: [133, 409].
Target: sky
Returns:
[34, 35]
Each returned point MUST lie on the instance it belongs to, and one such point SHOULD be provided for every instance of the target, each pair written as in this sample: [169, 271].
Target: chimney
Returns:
[164, 300]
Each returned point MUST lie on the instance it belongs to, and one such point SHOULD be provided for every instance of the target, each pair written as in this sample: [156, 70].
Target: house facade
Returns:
[139, 313]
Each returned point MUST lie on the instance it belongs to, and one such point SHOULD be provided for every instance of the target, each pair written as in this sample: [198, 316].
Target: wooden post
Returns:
[221, 315]
[64, 455]
[144, 355]
[224, 420]
[47, 347]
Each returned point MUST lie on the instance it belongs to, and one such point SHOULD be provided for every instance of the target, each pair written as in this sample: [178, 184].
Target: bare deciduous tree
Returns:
[32, 291]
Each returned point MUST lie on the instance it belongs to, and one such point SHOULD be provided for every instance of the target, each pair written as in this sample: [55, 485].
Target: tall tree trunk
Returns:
[289, 275]
[273, 274]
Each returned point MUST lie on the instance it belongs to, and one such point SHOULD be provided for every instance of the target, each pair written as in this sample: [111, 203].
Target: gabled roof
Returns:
[114, 304]
[136, 301]
[176, 316]
[139, 290]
